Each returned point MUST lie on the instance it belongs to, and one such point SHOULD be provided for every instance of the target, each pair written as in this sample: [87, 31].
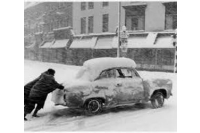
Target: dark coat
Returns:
[42, 88]
[27, 89]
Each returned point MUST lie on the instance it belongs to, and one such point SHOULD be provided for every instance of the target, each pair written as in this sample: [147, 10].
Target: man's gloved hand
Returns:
[61, 87]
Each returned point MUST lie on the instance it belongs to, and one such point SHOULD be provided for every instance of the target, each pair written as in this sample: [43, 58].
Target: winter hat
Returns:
[51, 71]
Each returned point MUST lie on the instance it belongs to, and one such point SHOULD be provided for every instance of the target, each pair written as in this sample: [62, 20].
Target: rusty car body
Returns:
[110, 82]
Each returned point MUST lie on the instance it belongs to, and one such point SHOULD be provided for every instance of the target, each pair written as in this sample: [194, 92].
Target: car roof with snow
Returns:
[97, 65]
[109, 62]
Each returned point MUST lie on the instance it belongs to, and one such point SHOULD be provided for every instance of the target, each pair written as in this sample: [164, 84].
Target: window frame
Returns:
[136, 27]
[90, 24]
[83, 25]
[105, 23]
[90, 5]
[105, 4]
[139, 13]
[83, 6]
[174, 23]
[171, 10]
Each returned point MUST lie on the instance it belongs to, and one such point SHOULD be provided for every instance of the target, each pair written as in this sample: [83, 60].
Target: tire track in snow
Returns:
[77, 121]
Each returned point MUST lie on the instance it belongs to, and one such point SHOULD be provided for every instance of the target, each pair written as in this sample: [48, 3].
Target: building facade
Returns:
[150, 26]
[99, 17]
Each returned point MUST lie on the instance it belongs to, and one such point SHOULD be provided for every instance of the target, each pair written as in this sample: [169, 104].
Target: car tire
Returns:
[157, 100]
[93, 107]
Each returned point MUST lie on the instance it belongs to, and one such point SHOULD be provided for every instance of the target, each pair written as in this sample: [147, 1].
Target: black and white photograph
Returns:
[100, 66]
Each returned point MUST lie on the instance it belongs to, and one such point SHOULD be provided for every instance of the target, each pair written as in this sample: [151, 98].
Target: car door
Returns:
[128, 85]
[105, 86]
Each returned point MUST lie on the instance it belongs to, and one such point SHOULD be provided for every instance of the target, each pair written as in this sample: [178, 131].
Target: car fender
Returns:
[75, 96]
[95, 93]
[150, 86]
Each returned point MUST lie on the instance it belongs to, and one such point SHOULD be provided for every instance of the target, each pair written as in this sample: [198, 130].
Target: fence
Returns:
[146, 59]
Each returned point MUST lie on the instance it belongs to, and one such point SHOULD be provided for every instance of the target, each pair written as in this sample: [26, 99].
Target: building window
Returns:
[105, 23]
[83, 6]
[90, 24]
[135, 18]
[134, 23]
[83, 25]
[171, 21]
[90, 5]
[105, 4]
[170, 15]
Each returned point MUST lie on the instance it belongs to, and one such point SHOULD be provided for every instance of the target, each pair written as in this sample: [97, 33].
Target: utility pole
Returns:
[174, 42]
[175, 52]
[119, 22]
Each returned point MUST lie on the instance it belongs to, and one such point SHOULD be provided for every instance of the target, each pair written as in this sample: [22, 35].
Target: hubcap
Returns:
[93, 106]
[156, 103]
[159, 101]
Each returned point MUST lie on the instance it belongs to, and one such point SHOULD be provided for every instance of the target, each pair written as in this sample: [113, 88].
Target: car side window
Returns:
[125, 73]
[119, 73]
[103, 75]
[111, 73]
[133, 73]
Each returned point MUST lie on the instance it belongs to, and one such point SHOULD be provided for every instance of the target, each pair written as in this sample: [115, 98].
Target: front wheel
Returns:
[157, 100]
[93, 106]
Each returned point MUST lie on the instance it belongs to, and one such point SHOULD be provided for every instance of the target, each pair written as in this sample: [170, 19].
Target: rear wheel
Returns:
[93, 106]
[157, 100]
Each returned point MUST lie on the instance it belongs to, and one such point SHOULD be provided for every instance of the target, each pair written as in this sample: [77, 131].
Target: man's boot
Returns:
[35, 113]
[25, 117]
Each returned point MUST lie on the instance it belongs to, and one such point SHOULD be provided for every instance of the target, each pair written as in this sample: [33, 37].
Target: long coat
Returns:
[27, 89]
[42, 88]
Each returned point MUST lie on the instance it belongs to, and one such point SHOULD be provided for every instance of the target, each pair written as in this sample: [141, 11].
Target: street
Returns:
[135, 118]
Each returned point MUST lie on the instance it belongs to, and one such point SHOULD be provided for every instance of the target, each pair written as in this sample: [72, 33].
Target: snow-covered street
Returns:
[135, 118]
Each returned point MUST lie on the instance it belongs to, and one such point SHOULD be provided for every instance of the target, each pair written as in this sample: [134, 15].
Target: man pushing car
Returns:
[36, 91]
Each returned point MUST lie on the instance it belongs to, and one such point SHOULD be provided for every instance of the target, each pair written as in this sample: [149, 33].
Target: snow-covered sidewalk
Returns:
[58, 118]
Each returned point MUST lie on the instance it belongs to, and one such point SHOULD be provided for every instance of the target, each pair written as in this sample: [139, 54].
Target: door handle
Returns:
[119, 85]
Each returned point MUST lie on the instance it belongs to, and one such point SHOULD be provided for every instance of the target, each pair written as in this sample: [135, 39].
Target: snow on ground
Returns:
[136, 118]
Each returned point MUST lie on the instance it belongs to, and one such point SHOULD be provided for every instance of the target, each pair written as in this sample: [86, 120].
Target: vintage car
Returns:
[110, 82]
